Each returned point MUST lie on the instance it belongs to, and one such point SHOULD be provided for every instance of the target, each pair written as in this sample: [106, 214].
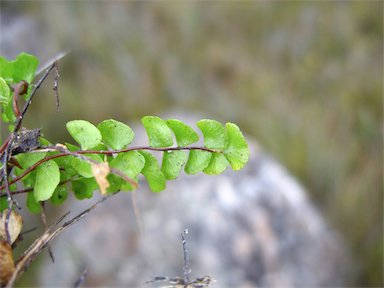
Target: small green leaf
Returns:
[130, 163]
[23, 68]
[6, 71]
[155, 178]
[198, 160]
[3, 204]
[71, 147]
[114, 182]
[26, 160]
[156, 181]
[214, 134]
[217, 164]
[83, 167]
[100, 147]
[173, 163]
[5, 92]
[116, 134]
[44, 141]
[237, 152]
[47, 179]
[84, 133]
[7, 113]
[11, 128]
[61, 191]
[151, 164]
[126, 186]
[158, 132]
[66, 163]
[60, 194]
[29, 181]
[84, 187]
[32, 205]
[184, 134]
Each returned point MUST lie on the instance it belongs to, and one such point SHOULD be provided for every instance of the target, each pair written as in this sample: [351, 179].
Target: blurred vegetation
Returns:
[304, 78]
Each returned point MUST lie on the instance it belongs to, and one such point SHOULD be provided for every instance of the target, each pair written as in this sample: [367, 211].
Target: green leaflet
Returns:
[156, 181]
[27, 160]
[158, 132]
[126, 186]
[7, 115]
[115, 134]
[237, 152]
[83, 167]
[84, 187]
[71, 147]
[173, 163]
[214, 134]
[60, 194]
[217, 164]
[29, 181]
[100, 147]
[151, 164]
[114, 183]
[5, 93]
[198, 160]
[84, 133]
[32, 205]
[47, 179]
[130, 163]
[23, 68]
[3, 204]
[155, 178]
[184, 134]
[66, 163]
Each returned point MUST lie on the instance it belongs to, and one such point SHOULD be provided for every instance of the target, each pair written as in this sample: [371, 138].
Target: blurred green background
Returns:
[304, 78]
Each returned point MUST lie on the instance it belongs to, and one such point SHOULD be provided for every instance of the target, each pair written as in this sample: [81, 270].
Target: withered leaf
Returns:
[7, 266]
[14, 225]
[101, 171]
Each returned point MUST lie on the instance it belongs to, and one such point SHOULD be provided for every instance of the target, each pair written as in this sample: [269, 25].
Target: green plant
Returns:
[103, 161]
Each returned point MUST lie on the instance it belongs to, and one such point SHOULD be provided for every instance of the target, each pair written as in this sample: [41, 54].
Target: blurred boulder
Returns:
[249, 228]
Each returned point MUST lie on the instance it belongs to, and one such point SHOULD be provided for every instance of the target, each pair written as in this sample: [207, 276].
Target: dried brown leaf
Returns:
[7, 267]
[14, 225]
[101, 171]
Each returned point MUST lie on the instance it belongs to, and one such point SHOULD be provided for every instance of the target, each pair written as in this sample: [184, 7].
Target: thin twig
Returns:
[55, 86]
[7, 189]
[137, 212]
[29, 100]
[31, 253]
[16, 93]
[186, 261]
[81, 278]
[44, 218]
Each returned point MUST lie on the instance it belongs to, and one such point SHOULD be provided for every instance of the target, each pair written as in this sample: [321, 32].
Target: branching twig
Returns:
[6, 152]
[184, 281]
[31, 253]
